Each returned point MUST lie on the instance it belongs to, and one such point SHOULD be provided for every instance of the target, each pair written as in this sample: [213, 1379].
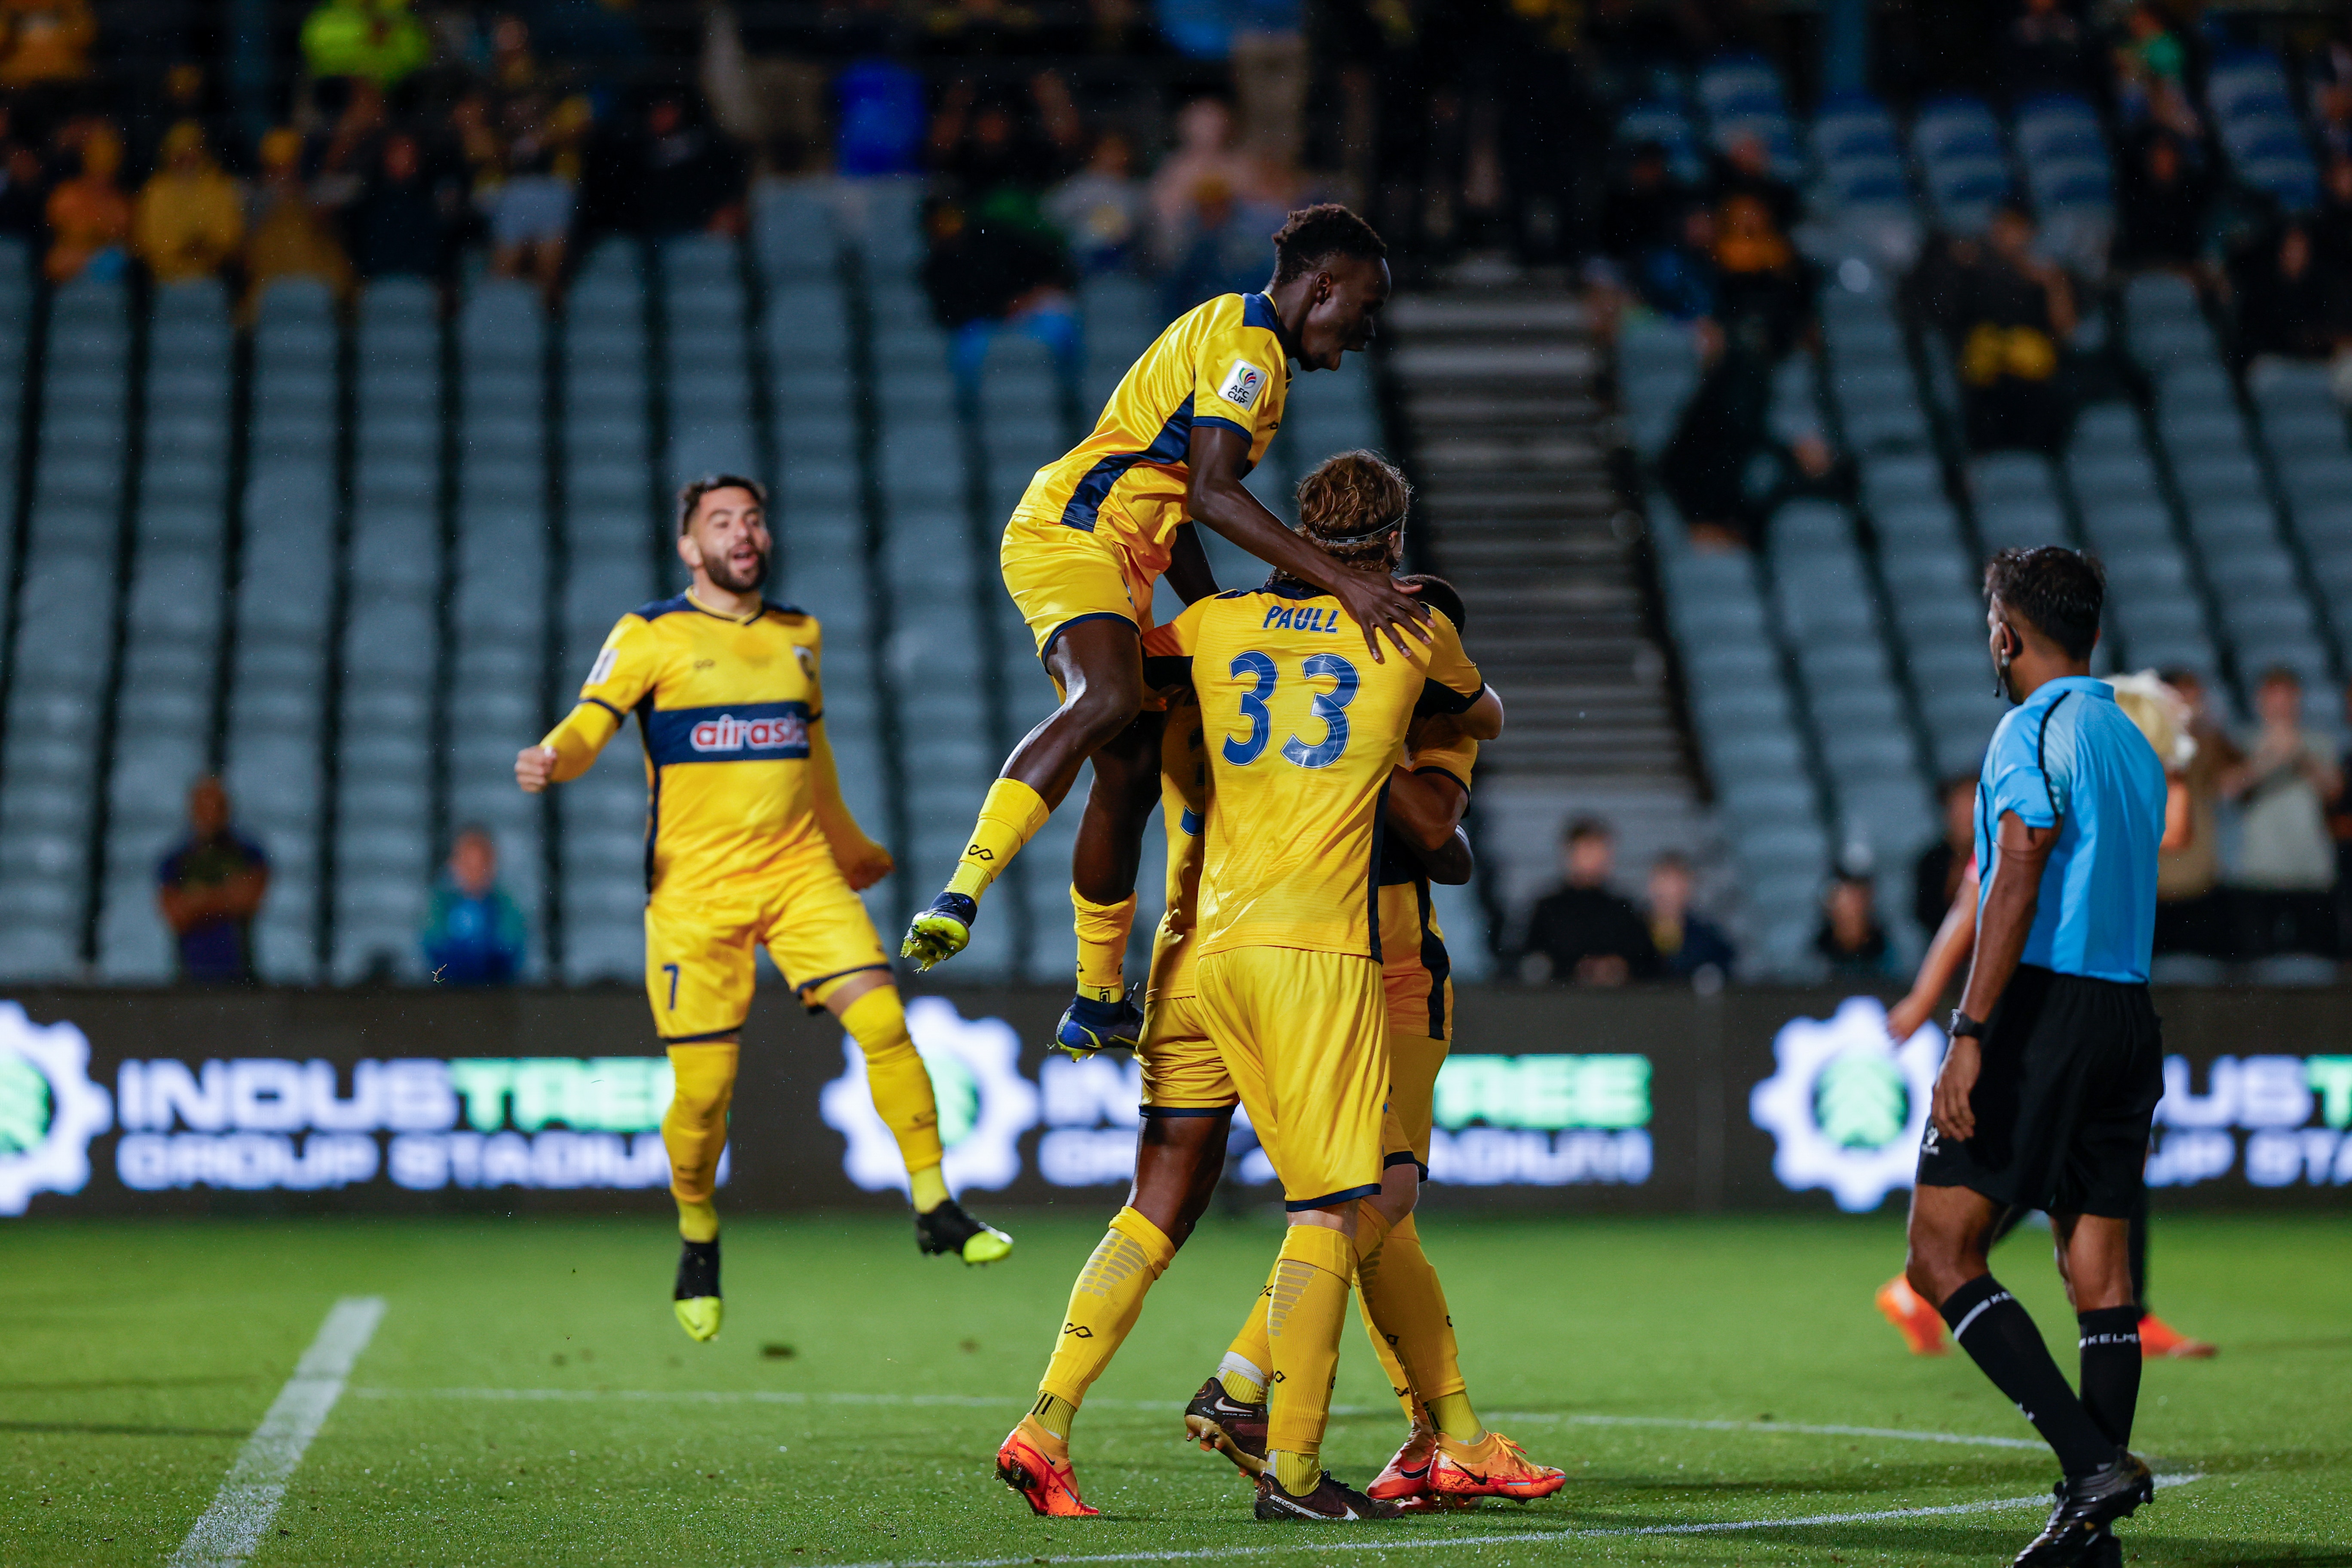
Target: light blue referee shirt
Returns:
[2069, 753]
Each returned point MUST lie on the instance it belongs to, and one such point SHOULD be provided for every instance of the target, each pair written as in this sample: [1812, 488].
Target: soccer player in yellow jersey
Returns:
[1095, 532]
[1448, 1457]
[1188, 1100]
[747, 843]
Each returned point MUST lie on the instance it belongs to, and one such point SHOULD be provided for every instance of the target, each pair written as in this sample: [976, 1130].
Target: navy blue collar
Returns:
[1257, 310]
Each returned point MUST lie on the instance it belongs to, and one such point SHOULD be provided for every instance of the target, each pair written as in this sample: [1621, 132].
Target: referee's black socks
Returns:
[2000, 1337]
[2111, 1359]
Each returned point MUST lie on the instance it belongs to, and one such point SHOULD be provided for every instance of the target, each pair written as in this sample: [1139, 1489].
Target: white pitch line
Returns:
[1382, 1540]
[992, 1402]
[248, 1499]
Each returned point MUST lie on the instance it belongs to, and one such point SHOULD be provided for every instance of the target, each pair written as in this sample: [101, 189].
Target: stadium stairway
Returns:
[1511, 444]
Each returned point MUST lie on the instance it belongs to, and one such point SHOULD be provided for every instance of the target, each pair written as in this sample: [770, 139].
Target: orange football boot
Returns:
[1025, 1463]
[1494, 1467]
[2158, 1338]
[1921, 1326]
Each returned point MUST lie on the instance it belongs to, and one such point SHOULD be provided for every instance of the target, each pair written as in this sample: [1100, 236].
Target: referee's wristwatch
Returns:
[1962, 1024]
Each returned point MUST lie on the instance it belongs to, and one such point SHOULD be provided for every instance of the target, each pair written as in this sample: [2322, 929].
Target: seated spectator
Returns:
[2286, 858]
[2286, 305]
[1935, 875]
[1849, 936]
[402, 223]
[44, 42]
[1223, 250]
[1689, 946]
[531, 218]
[2152, 75]
[376, 40]
[1203, 159]
[2007, 312]
[1101, 210]
[667, 172]
[2192, 910]
[2159, 207]
[209, 888]
[2044, 50]
[1583, 932]
[1678, 279]
[292, 238]
[986, 272]
[1745, 169]
[474, 933]
[189, 219]
[90, 217]
[1641, 209]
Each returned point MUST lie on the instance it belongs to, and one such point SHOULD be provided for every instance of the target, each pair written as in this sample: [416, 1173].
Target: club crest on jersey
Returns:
[729, 734]
[1302, 618]
[1242, 383]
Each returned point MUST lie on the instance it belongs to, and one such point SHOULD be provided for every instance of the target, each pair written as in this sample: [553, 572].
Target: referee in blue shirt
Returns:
[2055, 1064]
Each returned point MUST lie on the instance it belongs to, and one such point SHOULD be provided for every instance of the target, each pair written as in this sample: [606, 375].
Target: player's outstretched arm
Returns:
[1946, 953]
[862, 861]
[1217, 497]
[1425, 809]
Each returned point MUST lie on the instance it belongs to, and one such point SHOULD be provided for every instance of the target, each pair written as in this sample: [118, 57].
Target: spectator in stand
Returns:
[1583, 932]
[90, 217]
[375, 40]
[1203, 159]
[2286, 858]
[1102, 210]
[209, 888]
[664, 171]
[1745, 169]
[2044, 50]
[292, 238]
[402, 223]
[2152, 75]
[2287, 306]
[2006, 312]
[1642, 208]
[1224, 253]
[189, 219]
[2192, 909]
[46, 44]
[1851, 938]
[1678, 279]
[2160, 206]
[1936, 876]
[1689, 946]
[531, 218]
[474, 933]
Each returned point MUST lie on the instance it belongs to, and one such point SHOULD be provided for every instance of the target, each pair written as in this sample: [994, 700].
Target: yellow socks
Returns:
[1304, 1317]
[1406, 1306]
[1053, 1414]
[1008, 818]
[697, 1221]
[1249, 1359]
[928, 1188]
[694, 1129]
[896, 1078]
[1371, 1228]
[1102, 945]
[1104, 1305]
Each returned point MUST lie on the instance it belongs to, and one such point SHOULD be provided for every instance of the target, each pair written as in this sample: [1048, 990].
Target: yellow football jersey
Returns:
[1415, 969]
[1219, 363]
[1301, 728]
[731, 708]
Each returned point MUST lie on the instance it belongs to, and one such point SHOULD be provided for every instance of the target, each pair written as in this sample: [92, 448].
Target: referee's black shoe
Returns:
[2086, 1506]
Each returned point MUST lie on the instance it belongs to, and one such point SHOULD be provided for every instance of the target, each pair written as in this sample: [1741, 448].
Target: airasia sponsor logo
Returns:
[729, 734]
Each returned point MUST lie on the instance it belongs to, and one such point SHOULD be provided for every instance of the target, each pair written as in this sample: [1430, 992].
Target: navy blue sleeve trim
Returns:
[805, 986]
[1089, 616]
[608, 707]
[1436, 697]
[1442, 773]
[1225, 1110]
[1242, 431]
[1402, 1157]
[699, 1039]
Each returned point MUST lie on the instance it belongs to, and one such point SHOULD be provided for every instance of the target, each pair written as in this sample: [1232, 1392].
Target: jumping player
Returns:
[747, 843]
[2047, 1092]
[1096, 530]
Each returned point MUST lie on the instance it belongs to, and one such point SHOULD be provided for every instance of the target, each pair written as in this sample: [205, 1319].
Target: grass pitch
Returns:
[527, 1398]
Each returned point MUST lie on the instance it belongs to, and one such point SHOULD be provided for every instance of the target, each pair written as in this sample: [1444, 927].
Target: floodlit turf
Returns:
[528, 1398]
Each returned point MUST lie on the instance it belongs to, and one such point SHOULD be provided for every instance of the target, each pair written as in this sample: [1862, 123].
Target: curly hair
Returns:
[1352, 507]
[2060, 590]
[1318, 233]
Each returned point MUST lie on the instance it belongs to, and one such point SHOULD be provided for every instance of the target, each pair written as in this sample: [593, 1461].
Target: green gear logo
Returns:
[985, 1103]
[1845, 1105]
[1861, 1102]
[49, 1111]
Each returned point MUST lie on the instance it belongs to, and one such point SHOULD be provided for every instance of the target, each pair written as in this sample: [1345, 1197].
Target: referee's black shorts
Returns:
[2072, 1069]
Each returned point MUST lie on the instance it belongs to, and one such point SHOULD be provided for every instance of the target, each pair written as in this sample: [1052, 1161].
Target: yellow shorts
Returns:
[1182, 1073]
[1305, 1035]
[700, 959]
[1058, 574]
[1414, 1061]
